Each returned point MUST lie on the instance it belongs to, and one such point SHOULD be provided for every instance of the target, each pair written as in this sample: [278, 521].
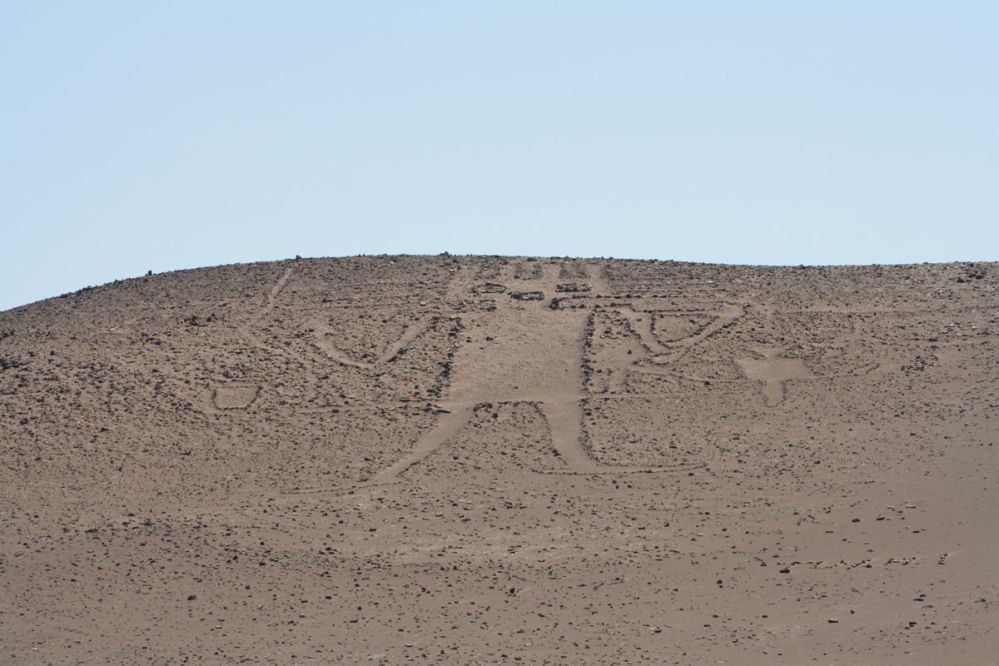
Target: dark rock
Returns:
[489, 288]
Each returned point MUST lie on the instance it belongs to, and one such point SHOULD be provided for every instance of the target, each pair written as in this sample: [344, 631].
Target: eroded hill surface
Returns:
[513, 460]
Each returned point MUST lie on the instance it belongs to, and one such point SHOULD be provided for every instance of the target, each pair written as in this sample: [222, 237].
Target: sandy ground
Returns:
[504, 460]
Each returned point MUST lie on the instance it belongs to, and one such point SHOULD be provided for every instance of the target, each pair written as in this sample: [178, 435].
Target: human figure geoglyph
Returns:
[523, 351]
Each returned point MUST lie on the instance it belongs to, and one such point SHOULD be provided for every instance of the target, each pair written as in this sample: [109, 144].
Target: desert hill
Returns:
[504, 460]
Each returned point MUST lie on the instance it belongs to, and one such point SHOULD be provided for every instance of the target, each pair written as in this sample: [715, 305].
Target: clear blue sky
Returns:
[142, 136]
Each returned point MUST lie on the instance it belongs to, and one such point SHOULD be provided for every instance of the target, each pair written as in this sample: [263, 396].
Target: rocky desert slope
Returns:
[504, 460]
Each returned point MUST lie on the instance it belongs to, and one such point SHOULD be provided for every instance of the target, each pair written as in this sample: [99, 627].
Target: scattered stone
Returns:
[489, 288]
[572, 287]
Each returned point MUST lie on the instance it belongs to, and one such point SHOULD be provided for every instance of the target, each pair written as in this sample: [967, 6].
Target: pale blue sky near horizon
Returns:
[161, 136]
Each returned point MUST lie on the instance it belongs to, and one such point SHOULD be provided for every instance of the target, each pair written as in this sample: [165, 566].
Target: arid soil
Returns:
[480, 460]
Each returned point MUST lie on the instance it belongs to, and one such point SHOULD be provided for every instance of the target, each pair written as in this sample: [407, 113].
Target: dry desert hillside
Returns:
[480, 460]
